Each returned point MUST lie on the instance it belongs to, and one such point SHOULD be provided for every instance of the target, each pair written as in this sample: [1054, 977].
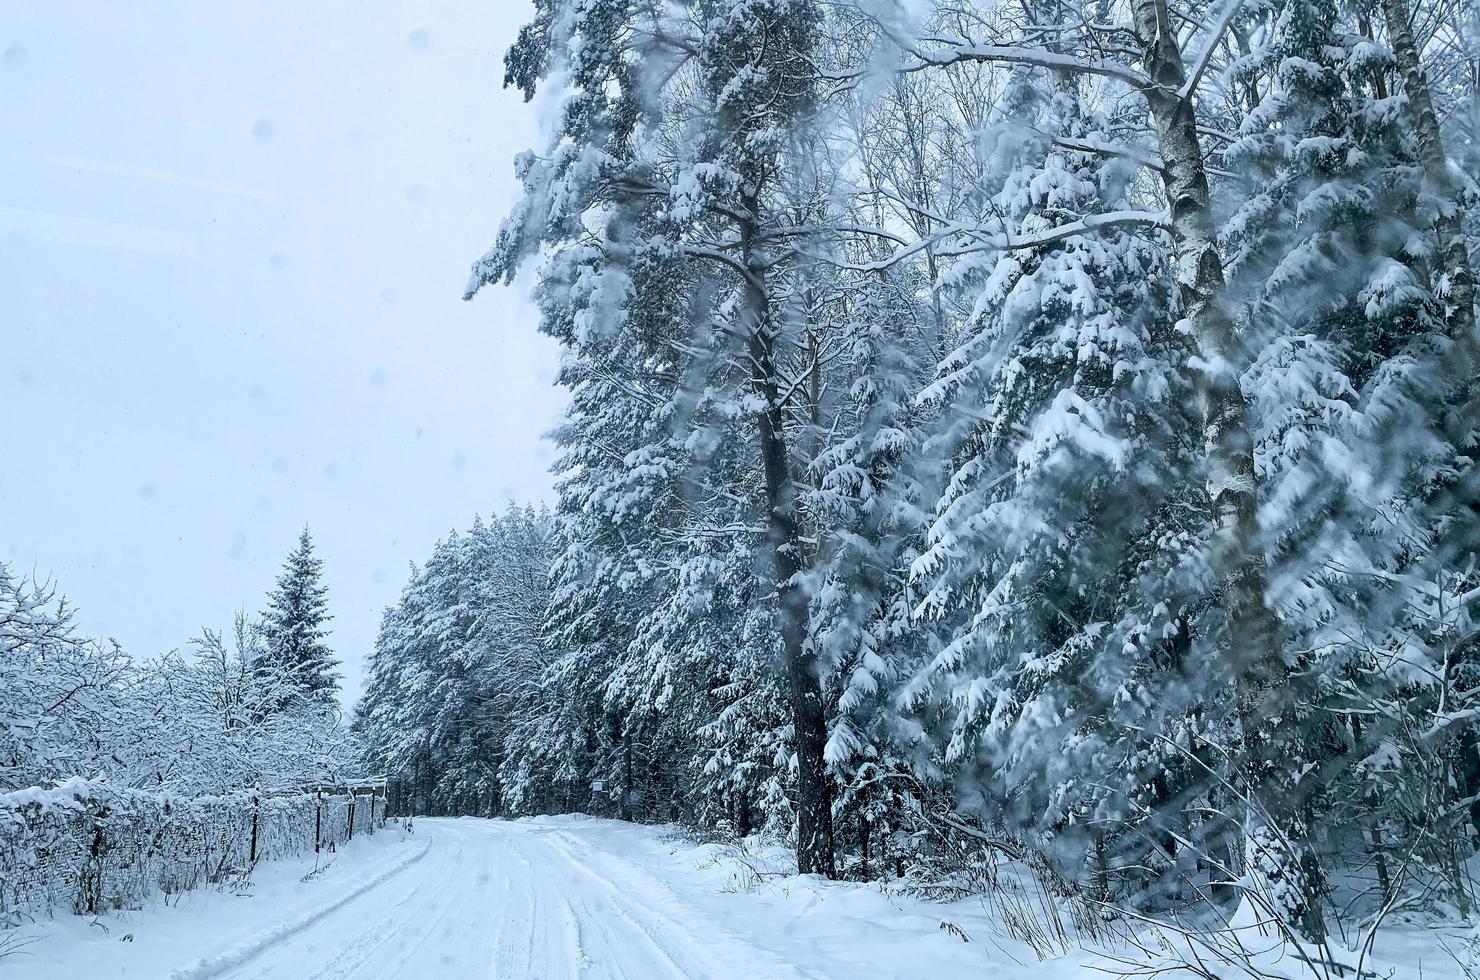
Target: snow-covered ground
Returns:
[546, 898]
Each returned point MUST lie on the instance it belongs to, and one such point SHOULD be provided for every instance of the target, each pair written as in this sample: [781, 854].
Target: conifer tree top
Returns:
[295, 623]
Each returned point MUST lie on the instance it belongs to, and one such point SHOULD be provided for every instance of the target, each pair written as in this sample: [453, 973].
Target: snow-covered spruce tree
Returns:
[506, 570]
[647, 516]
[865, 498]
[453, 665]
[510, 581]
[619, 309]
[1324, 365]
[1063, 523]
[294, 625]
[462, 750]
[1141, 60]
[1426, 51]
[407, 694]
[1329, 272]
[700, 652]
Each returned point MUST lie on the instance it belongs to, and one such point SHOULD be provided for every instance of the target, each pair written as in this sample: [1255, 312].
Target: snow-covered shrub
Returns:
[90, 847]
[211, 721]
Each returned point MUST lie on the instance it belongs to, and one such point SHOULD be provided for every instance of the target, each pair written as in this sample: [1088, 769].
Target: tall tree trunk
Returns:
[1460, 318]
[804, 688]
[1278, 860]
[627, 787]
[1460, 315]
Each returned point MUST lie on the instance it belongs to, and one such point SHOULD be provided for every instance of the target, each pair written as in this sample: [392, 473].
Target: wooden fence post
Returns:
[351, 816]
[92, 877]
[318, 821]
[256, 811]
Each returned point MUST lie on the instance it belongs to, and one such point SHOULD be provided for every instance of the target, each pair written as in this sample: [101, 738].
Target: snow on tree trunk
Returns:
[1277, 854]
[814, 830]
[1460, 298]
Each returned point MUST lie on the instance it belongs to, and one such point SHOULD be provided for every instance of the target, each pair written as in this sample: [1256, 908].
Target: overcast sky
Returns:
[233, 241]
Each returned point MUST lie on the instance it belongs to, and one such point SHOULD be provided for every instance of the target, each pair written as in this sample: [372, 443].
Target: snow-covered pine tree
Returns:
[455, 668]
[700, 188]
[294, 625]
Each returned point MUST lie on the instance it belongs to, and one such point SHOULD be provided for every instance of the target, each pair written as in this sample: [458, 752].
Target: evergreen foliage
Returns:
[990, 420]
[294, 626]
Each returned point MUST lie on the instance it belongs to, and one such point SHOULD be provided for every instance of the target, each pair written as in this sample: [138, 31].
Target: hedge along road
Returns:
[509, 899]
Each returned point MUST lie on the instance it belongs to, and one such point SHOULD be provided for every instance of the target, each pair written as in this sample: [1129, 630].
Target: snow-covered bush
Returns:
[217, 720]
[90, 847]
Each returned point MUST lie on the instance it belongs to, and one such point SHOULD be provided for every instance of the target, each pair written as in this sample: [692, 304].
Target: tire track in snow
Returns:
[505, 900]
[399, 929]
[654, 923]
[507, 960]
[620, 935]
[215, 965]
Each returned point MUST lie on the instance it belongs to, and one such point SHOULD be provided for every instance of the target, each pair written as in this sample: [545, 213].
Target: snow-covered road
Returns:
[515, 900]
[551, 898]
[541, 899]
[546, 898]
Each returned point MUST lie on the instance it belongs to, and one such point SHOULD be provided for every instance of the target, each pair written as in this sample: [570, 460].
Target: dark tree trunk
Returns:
[626, 773]
[1469, 771]
[804, 688]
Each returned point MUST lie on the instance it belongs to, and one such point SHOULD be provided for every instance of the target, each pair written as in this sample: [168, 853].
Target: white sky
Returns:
[233, 242]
